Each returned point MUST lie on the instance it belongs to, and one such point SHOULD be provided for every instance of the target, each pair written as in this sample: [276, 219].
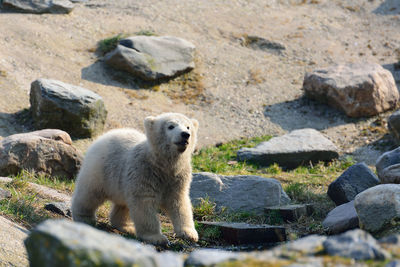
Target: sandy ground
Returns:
[249, 92]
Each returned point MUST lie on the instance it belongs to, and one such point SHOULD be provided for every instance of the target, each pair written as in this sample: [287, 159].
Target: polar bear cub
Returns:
[141, 174]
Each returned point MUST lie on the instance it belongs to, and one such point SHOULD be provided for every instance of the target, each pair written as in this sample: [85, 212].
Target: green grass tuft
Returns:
[107, 45]
[205, 210]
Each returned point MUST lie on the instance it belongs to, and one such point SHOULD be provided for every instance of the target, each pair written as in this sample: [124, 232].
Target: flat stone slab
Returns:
[243, 233]
[359, 89]
[291, 150]
[43, 190]
[243, 193]
[152, 57]
[341, 219]
[12, 250]
[291, 213]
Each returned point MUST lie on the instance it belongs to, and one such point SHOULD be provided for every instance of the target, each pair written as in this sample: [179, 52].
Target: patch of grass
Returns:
[24, 206]
[208, 232]
[205, 210]
[188, 87]
[107, 45]
[222, 159]
[25, 176]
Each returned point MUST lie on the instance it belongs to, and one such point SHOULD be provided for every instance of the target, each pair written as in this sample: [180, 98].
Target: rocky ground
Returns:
[247, 92]
[244, 91]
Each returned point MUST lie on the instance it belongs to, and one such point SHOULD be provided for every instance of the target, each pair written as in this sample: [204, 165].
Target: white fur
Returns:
[141, 174]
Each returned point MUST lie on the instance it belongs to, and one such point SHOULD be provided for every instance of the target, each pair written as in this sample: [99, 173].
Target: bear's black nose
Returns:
[185, 135]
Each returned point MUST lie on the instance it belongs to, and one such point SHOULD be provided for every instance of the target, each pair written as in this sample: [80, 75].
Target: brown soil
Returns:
[247, 92]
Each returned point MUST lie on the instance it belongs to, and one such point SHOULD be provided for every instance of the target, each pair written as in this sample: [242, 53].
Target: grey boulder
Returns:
[64, 243]
[291, 150]
[39, 6]
[151, 57]
[71, 108]
[356, 244]
[354, 180]
[358, 90]
[378, 208]
[341, 219]
[238, 193]
[47, 151]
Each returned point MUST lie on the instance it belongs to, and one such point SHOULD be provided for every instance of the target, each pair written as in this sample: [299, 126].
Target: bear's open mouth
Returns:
[182, 145]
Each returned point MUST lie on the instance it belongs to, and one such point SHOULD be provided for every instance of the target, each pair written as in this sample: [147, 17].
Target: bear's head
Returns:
[171, 133]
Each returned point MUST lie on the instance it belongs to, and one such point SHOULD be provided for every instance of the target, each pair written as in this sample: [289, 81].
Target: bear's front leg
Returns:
[143, 212]
[181, 215]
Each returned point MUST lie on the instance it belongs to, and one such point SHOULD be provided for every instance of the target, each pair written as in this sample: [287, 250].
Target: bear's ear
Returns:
[149, 123]
[195, 124]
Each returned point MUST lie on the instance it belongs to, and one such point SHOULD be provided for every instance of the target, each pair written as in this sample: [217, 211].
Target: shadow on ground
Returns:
[388, 7]
[99, 72]
[371, 152]
[306, 113]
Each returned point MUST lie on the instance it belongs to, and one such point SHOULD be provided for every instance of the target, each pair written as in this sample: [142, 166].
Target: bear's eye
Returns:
[171, 127]
[188, 127]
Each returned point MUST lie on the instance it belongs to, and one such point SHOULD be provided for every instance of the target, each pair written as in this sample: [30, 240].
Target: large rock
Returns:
[359, 90]
[65, 243]
[355, 244]
[354, 180]
[12, 251]
[291, 150]
[238, 193]
[42, 151]
[151, 57]
[341, 219]
[71, 108]
[378, 208]
[39, 6]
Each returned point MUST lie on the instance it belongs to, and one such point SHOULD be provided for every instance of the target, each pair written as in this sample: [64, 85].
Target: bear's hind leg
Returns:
[84, 206]
[119, 218]
[145, 217]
